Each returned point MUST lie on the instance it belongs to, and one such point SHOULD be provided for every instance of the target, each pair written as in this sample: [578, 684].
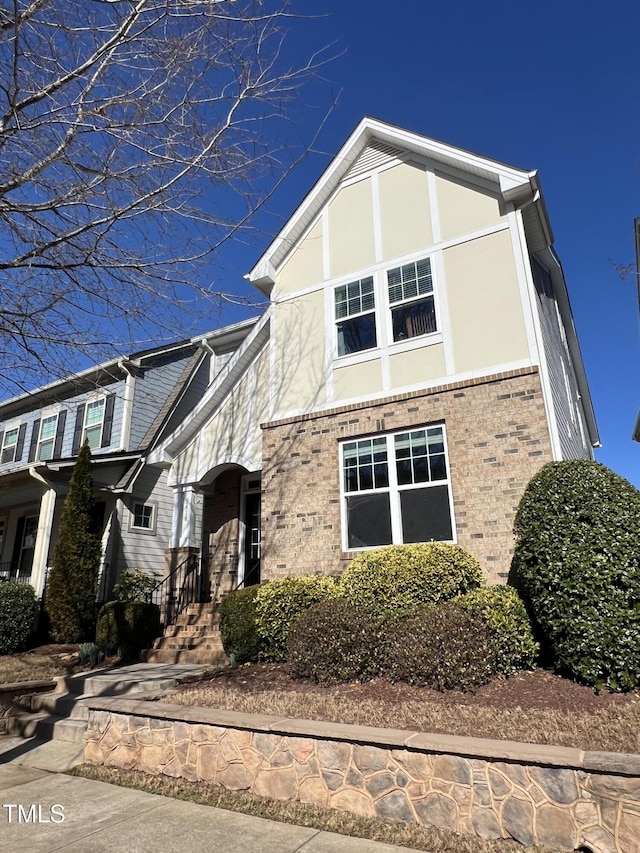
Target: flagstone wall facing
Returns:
[554, 796]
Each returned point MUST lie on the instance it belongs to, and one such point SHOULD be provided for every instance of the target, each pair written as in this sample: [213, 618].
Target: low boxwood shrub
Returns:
[577, 565]
[333, 641]
[17, 612]
[502, 611]
[438, 646]
[128, 625]
[238, 628]
[280, 602]
[136, 585]
[399, 578]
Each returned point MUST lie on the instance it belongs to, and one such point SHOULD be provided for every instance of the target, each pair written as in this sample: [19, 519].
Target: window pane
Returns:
[438, 467]
[426, 514]
[405, 476]
[92, 435]
[45, 450]
[357, 334]
[410, 280]
[436, 440]
[366, 477]
[368, 520]
[95, 411]
[48, 428]
[142, 516]
[414, 319]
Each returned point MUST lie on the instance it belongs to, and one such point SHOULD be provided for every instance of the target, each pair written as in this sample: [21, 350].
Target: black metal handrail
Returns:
[10, 571]
[177, 590]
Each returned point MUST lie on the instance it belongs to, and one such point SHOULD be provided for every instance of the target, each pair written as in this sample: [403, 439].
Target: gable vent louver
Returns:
[375, 155]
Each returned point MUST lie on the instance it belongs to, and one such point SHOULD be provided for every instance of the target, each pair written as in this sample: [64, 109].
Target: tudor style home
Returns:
[122, 408]
[417, 364]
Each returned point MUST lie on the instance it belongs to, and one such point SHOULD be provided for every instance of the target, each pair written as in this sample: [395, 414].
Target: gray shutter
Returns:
[57, 447]
[107, 425]
[1, 437]
[77, 430]
[20, 442]
[35, 432]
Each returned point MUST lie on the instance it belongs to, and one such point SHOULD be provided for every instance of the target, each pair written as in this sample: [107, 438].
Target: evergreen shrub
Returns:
[502, 611]
[135, 585]
[399, 578]
[577, 565]
[129, 626]
[333, 641]
[438, 646]
[280, 602]
[70, 598]
[17, 611]
[238, 625]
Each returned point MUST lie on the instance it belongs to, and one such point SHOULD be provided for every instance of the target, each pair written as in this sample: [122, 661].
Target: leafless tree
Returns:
[135, 137]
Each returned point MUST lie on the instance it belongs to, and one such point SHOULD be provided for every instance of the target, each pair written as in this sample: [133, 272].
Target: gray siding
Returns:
[564, 387]
[31, 417]
[191, 397]
[153, 384]
[145, 549]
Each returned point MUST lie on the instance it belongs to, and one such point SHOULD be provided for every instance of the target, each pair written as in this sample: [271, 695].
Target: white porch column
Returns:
[184, 527]
[43, 540]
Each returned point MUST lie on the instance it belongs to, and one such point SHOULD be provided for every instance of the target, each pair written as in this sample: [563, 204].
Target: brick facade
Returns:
[497, 437]
[221, 533]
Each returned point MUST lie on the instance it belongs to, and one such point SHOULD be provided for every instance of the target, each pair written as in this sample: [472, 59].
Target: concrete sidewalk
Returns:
[101, 817]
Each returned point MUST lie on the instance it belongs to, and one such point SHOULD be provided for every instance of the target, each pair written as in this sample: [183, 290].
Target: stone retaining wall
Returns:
[553, 796]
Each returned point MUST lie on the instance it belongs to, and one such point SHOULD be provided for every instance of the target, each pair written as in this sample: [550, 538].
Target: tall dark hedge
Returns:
[70, 599]
[577, 565]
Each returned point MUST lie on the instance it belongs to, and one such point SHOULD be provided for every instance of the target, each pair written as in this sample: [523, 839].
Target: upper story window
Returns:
[411, 300]
[9, 445]
[93, 422]
[47, 438]
[396, 489]
[356, 316]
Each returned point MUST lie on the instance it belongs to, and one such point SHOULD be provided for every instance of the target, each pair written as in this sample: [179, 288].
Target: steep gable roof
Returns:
[374, 143]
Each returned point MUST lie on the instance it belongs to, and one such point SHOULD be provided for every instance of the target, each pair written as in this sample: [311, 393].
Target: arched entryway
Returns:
[231, 530]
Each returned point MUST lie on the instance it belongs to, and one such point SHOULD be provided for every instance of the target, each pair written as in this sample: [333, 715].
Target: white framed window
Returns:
[143, 517]
[9, 444]
[411, 300]
[93, 422]
[396, 489]
[47, 438]
[355, 316]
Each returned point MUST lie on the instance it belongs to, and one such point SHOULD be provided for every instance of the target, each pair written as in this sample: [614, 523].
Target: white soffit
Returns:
[374, 143]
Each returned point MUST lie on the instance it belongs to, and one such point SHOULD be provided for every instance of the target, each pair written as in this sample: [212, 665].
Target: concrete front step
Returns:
[47, 727]
[212, 657]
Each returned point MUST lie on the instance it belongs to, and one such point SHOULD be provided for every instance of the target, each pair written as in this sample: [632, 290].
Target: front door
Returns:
[251, 538]
[25, 545]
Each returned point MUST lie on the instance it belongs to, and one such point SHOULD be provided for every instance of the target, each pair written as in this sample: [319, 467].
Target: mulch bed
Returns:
[534, 690]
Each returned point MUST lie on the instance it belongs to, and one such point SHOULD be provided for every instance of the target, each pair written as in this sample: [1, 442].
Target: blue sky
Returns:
[553, 87]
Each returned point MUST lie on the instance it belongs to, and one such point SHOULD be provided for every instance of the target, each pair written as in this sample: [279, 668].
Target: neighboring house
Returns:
[417, 364]
[122, 408]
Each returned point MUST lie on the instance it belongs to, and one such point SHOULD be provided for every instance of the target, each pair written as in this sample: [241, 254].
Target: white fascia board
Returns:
[512, 182]
[175, 443]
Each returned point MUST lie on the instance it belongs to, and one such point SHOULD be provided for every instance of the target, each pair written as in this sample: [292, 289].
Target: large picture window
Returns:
[396, 489]
[356, 316]
[411, 300]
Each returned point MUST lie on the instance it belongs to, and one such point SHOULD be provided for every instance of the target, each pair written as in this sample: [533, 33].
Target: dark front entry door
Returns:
[24, 545]
[252, 539]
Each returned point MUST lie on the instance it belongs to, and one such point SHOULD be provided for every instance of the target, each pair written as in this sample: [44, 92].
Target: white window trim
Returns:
[52, 439]
[382, 311]
[154, 517]
[6, 447]
[83, 436]
[393, 489]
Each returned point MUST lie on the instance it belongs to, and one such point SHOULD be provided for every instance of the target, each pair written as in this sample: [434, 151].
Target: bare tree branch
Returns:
[136, 136]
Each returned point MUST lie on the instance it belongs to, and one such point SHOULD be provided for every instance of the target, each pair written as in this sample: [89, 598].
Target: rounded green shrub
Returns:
[399, 578]
[438, 646]
[129, 626]
[238, 628]
[577, 565]
[17, 611]
[280, 602]
[504, 614]
[333, 642]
